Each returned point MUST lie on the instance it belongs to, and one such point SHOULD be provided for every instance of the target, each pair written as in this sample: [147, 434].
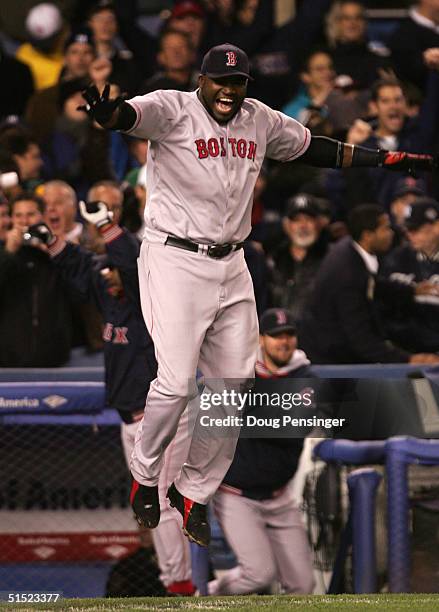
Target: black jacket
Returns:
[124, 72]
[408, 43]
[257, 266]
[18, 85]
[263, 465]
[293, 280]
[359, 62]
[415, 327]
[160, 80]
[378, 184]
[341, 323]
[35, 311]
[130, 363]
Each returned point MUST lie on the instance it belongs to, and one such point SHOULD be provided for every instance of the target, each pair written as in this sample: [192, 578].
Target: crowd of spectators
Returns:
[321, 65]
[352, 256]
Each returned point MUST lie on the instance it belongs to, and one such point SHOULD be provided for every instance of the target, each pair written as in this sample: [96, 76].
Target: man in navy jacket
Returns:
[254, 506]
[417, 328]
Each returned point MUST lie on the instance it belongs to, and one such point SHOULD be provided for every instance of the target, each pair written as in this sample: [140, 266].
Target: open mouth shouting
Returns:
[55, 222]
[225, 105]
[394, 120]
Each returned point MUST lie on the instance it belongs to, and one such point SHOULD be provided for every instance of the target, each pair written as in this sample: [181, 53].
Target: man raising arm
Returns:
[206, 152]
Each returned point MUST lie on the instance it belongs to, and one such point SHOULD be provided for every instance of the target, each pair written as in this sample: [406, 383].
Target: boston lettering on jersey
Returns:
[214, 147]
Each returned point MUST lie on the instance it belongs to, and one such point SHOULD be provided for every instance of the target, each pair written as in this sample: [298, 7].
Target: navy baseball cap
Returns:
[83, 35]
[226, 60]
[101, 5]
[275, 321]
[302, 203]
[421, 212]
[409, 185]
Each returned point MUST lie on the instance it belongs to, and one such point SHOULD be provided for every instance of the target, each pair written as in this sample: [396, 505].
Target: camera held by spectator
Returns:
[38, 234]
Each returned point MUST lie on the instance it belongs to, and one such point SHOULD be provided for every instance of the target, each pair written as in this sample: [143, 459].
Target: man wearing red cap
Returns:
[188, 17]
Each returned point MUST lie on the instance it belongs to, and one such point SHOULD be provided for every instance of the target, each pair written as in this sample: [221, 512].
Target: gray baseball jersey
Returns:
[201, 174]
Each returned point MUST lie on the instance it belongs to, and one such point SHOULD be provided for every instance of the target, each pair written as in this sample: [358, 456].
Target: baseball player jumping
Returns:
[206, 151]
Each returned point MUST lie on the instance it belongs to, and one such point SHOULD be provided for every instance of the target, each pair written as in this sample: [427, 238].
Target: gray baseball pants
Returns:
[269, 541]
[200, 312]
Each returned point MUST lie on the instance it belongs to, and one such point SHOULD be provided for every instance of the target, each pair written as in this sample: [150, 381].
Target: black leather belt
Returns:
[217, 251]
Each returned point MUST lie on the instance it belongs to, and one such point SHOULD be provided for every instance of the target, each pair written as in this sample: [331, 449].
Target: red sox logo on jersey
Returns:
[216, 147]
[116, 335]
[231, 58]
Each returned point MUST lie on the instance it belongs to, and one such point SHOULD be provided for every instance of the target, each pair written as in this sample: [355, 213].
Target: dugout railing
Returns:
[65, 520]
[359, 532]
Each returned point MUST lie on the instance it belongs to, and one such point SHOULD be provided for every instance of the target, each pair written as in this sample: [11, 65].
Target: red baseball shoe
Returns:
[184, 588]
[195, 524]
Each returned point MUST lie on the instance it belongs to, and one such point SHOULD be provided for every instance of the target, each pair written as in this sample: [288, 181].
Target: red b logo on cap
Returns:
[231, 58]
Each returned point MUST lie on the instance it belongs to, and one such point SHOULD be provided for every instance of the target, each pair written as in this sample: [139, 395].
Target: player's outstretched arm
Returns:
[328, 153]
[110, 113]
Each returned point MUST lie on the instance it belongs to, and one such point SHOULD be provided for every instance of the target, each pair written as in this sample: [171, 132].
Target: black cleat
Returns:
[145, 504]
[195, 524]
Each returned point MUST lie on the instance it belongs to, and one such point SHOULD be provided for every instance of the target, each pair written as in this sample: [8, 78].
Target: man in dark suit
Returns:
[341, 324]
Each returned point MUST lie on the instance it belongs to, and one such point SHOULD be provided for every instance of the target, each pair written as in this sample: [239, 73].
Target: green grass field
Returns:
[348, 603]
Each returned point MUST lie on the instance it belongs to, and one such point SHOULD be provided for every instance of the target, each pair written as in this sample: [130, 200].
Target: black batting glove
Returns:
[100, 107]
[408, 162]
